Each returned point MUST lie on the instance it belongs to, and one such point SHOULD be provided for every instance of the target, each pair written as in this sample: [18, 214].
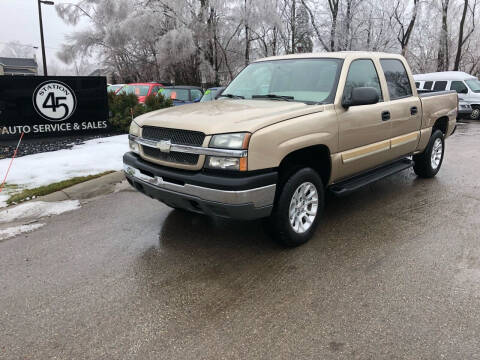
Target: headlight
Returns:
[135, 131]
[230, 141]
[237, 141]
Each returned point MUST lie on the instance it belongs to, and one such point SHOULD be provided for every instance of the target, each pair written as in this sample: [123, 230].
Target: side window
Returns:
[428, 85]
[459, 87]
[397, 79]
[362, 73]
[417, 84]
[440, 85]
[196, 94]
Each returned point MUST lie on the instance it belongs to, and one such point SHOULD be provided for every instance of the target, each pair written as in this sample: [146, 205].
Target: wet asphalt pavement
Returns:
[392, 273]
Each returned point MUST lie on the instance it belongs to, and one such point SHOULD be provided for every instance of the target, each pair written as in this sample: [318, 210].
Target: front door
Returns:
[364, 131]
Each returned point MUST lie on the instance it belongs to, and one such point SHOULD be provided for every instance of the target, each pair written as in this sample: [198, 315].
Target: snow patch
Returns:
[93, 157]
[37, 209]
[3, 199]
[17, 230]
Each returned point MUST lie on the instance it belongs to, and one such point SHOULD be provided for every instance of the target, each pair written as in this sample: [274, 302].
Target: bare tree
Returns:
[463, 38]
[17, 50]
[405, 29]
[443, 54]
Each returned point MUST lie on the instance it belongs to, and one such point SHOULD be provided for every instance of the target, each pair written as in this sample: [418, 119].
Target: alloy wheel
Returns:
[303, 207]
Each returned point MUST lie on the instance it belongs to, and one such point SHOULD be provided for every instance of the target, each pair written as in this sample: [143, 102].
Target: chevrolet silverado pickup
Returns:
[286, 130]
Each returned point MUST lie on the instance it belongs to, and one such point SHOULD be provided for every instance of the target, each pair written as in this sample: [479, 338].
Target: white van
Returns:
[466, 85]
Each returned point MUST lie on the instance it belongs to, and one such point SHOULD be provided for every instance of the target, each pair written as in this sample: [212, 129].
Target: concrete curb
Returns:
[86, 190]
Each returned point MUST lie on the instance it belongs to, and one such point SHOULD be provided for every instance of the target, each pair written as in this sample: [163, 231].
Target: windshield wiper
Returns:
[232, 96]
[274, 97]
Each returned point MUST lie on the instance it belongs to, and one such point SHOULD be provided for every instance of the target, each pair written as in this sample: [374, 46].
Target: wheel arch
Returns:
[316, 156]
[441, 124]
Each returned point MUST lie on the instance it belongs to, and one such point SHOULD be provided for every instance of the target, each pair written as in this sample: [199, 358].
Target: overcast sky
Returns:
[19, 21]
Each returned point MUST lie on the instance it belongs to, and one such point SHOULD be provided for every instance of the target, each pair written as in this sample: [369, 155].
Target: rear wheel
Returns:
[428, 163]
[298, 208]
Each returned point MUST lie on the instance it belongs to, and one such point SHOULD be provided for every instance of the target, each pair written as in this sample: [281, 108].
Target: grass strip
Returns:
[51, 188]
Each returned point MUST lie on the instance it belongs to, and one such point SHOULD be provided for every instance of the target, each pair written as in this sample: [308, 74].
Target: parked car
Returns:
[286, 130]
[212, 94]
[141, 90]
[115, 87]
[182, 95]
[466, 85]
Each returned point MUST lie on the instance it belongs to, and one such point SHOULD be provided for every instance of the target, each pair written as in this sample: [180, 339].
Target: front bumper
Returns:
[247, 197]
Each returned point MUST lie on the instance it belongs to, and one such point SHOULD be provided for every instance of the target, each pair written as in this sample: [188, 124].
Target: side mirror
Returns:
[464, 91]
[361, 96]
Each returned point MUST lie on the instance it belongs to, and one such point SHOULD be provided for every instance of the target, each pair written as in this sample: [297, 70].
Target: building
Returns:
[103, 72]
[18, 66]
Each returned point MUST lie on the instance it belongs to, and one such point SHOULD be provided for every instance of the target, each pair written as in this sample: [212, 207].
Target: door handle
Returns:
[385, 115]
[414, 110]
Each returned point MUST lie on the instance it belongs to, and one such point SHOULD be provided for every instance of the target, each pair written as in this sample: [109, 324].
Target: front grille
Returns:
[175, 157]
[176, 136]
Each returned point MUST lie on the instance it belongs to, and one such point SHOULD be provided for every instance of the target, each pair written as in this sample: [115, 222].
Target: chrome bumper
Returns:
[258, 197]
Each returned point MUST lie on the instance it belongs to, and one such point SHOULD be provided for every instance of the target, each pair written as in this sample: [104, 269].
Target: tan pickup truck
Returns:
[286, 130]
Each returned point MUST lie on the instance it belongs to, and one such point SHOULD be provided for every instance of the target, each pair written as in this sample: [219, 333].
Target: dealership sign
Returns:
[52, 106]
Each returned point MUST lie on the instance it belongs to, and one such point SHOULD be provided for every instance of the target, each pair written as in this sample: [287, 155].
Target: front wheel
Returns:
[475, 115]
[298, 208]
[428, 163]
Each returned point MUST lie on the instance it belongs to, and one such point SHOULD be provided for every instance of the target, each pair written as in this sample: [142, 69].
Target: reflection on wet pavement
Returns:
[392, 272]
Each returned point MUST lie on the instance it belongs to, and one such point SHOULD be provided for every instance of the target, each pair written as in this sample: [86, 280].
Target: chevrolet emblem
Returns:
[164, 145]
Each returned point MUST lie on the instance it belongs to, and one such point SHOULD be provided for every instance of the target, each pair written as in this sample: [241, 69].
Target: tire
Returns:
[302, 194]
[475, 115]
[428, 163]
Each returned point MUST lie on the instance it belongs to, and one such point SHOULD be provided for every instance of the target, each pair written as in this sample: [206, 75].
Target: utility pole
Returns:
[40, 2]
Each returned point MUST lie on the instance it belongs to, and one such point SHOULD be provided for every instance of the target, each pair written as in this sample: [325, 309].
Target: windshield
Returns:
[474, 85]
[306, 80]
[139, 90]
[175, 94]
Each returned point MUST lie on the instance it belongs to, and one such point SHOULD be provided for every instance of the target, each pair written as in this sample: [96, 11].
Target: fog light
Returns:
[223, 163]
[134, 147]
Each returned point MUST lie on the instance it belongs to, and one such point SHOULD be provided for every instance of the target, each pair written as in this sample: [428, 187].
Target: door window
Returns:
[397, 79]
[362, 73]
[440, 86]
[459, 87]
[196, 94]
[428, 85]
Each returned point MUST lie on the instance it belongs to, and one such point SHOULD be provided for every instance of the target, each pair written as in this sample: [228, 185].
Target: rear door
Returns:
[364, 131]
[405, 108]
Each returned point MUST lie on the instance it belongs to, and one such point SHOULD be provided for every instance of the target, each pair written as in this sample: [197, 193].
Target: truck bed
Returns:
[436, 105]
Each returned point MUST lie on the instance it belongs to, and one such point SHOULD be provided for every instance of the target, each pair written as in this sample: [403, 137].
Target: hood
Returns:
[227, 115]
